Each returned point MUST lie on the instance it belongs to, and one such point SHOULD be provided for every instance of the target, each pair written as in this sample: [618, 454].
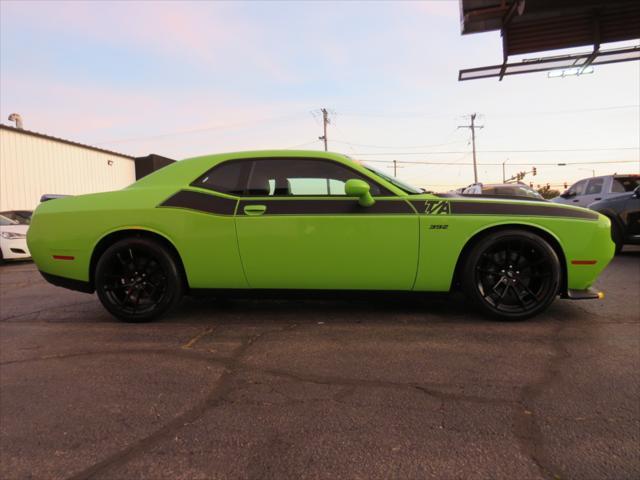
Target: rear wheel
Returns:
[511, 275]
[137, 279]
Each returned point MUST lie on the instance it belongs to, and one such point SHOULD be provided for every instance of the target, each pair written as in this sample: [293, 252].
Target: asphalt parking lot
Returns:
[273, 389]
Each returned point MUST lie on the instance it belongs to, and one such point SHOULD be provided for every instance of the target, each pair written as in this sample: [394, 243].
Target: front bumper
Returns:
[15, 249]
[69, 283]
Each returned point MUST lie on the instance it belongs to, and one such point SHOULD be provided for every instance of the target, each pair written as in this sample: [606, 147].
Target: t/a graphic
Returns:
[436, 207]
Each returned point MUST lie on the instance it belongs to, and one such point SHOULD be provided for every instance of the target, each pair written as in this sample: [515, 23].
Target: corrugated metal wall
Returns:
[31, 166]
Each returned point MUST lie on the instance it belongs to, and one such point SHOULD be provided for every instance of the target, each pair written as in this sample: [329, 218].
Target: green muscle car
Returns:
[301, 220]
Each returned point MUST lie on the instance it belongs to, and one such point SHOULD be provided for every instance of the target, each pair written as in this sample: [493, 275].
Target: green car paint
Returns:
[397, 241]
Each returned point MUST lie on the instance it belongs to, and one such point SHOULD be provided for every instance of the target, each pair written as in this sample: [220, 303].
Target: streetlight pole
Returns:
[593, 172]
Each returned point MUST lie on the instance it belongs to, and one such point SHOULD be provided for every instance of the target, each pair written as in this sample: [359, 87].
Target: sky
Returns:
[182, 79]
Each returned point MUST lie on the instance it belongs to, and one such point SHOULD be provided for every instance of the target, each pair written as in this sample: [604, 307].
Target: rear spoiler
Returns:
[51, 196]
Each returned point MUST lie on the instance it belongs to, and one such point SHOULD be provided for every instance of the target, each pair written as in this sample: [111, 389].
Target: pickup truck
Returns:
[586, 191]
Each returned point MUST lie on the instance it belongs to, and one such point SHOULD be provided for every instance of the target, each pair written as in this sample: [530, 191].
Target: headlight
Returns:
[12, 235]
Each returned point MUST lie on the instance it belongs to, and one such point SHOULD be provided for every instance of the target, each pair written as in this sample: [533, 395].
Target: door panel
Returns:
[328, 244]
[593, 192]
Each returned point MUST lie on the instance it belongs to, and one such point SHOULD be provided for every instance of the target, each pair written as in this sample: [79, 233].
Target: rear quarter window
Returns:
[625, 184]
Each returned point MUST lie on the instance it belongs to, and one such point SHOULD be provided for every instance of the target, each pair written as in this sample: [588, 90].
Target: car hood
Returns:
[14, 228]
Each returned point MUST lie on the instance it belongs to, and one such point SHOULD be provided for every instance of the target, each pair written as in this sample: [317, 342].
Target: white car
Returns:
[499, 190]
[13, 235]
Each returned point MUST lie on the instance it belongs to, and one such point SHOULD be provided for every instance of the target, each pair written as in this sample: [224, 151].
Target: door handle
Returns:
[575, 201]
[598, 198]
[254, 209]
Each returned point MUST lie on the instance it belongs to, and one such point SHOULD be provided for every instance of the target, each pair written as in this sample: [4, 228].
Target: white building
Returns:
[33, 164]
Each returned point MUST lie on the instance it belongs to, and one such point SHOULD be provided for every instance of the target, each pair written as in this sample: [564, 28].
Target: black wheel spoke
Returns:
[488, 271]
[121, 260]
[520, 299]
[516, 262]
[529, 291]
[501, 297]
[540, 275]
[497, 284]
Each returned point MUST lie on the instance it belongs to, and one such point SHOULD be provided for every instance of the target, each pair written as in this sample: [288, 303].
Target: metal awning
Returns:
[529, 26]
[580, 61]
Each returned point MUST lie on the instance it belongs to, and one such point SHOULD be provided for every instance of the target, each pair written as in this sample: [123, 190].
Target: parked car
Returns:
[589, 190]
[295, 220]
[502, 190]
[13, 235]
[624, 213]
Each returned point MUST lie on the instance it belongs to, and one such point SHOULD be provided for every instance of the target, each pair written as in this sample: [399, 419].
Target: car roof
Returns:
[187, 170]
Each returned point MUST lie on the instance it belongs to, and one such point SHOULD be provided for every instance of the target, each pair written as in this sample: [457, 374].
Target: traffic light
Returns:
[534, 171]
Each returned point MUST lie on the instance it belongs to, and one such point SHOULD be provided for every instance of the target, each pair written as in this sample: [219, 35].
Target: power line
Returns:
[200, 130]
[498, 114]
[397, 146]
[418, 162]
[452, 152]
[302, 144]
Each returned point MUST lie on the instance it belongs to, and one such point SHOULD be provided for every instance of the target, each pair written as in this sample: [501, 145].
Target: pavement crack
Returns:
[38, 312]
[197, 338]
[216, 396]
[525, 426]
[143, 351]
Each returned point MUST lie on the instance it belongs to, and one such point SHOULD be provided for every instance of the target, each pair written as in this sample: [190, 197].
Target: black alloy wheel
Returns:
[512, 275]
[137, 279]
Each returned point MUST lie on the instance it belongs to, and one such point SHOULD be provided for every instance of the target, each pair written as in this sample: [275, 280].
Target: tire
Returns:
[617, 235]
[511, 275]
[138, 279]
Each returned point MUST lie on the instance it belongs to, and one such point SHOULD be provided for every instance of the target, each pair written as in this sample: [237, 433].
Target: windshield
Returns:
[405, 187]
[18, 217]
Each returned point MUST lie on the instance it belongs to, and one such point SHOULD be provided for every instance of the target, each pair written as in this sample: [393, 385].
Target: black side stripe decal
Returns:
[201, 202]
[495, 208]
[327, 207]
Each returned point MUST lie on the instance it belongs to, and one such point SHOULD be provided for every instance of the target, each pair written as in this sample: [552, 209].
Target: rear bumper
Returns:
[588, 294]
[69, 283]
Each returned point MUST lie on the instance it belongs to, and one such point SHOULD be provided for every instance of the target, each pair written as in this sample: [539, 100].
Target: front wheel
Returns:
[137, 279]
[617, 235]
[511, 274]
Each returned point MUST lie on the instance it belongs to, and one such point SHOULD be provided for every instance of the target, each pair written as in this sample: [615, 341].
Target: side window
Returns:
[578, 188]
[303, 177]
[228, 177]
[625, 184]
[595, 186]
[617, 186]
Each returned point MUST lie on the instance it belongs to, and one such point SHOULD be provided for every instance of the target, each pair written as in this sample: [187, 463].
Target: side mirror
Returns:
[567, 194]
[360, 189]
[636, 193]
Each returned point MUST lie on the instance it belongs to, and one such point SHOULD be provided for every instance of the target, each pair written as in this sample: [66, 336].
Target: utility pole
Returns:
[396, 167]
[325, 122]
[504, 177]
[473, 127]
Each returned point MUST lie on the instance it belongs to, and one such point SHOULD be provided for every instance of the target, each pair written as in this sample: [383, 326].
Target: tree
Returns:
[547, 192]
